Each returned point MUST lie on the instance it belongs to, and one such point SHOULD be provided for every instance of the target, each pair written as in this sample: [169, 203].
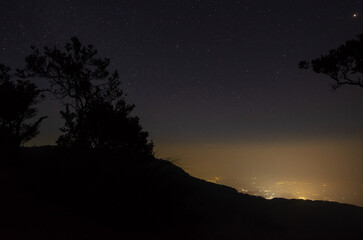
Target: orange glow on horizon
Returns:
[317, 170]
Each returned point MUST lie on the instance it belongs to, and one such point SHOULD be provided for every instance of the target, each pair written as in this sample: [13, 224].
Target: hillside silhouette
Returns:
[102, 179]
[51, 193]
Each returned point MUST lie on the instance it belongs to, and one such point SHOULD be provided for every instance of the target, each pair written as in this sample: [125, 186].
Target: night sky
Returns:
[217, 86]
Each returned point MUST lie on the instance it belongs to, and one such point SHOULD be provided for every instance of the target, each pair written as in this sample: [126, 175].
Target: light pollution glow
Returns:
[318, 170]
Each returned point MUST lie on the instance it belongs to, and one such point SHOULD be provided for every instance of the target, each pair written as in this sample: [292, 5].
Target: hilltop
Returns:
[52, 193]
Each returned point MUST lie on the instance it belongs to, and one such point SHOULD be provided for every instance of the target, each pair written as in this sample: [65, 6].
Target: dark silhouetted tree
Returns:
[17, 108]
[95, 112]
[344, 64]
[115, 129]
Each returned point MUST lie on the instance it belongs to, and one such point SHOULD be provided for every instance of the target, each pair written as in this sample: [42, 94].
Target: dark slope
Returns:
[47, 193]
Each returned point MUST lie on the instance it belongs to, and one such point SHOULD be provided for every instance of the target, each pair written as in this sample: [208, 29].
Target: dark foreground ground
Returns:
[46, 193]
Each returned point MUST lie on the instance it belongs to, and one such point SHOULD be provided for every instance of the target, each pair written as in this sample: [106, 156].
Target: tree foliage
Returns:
[17, 108]
[344, 64]
[95, 112]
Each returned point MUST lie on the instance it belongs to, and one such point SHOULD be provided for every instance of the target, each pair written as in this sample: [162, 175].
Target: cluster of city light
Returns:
[288, 189]
[284, 189]
[215, 179]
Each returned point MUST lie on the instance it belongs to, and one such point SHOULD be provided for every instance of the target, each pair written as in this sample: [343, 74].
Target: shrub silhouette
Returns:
[344, 64]
[95, 112]
[110, 126]
[17, 107]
